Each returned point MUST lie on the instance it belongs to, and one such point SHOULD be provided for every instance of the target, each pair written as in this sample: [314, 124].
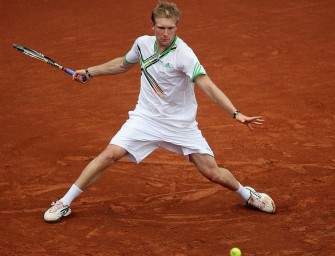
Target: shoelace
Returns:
[55, 206]
[255, 198]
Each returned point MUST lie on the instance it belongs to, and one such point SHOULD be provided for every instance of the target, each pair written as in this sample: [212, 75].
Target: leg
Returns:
[95, 168]
[89, 175]
[208, 167]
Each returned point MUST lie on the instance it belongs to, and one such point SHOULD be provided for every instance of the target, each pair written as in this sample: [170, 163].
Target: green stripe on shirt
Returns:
[197, 71]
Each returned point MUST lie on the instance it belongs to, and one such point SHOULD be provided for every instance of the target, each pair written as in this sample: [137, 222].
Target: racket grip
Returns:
[71, 72]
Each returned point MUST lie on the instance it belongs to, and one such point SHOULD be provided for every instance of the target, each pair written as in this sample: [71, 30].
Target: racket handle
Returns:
[71, 72]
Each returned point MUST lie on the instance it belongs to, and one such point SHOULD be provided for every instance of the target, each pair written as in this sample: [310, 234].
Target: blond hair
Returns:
[165, 10]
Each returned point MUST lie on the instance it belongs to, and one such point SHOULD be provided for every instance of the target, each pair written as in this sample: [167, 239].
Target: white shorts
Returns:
[141, 136]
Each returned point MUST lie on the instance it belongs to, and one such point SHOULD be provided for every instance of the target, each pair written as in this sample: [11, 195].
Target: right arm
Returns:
[112, 67]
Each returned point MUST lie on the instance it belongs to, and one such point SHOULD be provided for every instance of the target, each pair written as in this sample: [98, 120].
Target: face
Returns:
[165, 31]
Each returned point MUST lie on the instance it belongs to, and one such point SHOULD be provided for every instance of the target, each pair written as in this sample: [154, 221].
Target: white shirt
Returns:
[167, 82]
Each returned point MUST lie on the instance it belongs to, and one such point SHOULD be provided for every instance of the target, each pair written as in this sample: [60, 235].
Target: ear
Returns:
[152, 25]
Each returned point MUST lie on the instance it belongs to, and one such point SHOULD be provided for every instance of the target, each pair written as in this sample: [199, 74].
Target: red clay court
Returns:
[272, 58]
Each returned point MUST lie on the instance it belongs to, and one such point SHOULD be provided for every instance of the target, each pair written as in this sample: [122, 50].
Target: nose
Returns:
[165, 31]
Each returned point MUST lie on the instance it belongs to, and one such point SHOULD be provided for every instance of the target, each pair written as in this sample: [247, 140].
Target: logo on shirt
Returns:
[168, 65]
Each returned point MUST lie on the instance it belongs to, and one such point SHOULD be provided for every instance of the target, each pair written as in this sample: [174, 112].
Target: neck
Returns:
[161, 48]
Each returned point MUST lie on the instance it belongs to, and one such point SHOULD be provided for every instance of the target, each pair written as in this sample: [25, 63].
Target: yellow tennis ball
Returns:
[235, 252]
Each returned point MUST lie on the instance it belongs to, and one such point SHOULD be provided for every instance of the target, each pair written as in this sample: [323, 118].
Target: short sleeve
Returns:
[190, 64]
[132, 56]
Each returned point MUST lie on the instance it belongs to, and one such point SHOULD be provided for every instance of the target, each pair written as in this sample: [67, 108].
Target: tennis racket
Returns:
[41, 57]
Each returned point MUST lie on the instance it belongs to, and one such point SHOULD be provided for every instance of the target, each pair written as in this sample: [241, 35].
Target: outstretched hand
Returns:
[249, 121]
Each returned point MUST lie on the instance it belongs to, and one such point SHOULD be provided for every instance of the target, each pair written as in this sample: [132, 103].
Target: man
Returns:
[165, 114]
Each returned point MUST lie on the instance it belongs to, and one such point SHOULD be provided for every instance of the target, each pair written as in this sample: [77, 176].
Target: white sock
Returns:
[243, 193]
[73, 192]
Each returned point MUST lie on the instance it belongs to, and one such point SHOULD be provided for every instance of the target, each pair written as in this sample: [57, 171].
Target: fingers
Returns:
[260, 122]
[256, 120]
[250, 121]
[80, 76]
[250, 127]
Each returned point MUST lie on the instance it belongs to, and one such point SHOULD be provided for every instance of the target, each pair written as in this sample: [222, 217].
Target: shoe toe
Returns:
[49, 217]
[270, 206]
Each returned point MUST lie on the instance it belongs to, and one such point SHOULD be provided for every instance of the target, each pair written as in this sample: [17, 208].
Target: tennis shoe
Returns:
[261, 201]
[57, 211]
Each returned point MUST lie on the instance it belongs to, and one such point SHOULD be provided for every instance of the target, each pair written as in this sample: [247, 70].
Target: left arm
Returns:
[216, 95]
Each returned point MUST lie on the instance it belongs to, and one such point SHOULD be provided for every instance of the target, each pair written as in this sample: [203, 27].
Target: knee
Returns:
[107, 157]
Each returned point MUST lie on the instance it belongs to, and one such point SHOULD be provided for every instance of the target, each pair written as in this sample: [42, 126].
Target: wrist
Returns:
[88, 73]
[236, 112]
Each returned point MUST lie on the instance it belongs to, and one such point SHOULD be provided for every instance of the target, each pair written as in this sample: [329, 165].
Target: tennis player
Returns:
[165, 114]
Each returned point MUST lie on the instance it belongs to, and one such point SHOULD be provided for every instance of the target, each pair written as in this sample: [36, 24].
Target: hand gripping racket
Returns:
[41, 57]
